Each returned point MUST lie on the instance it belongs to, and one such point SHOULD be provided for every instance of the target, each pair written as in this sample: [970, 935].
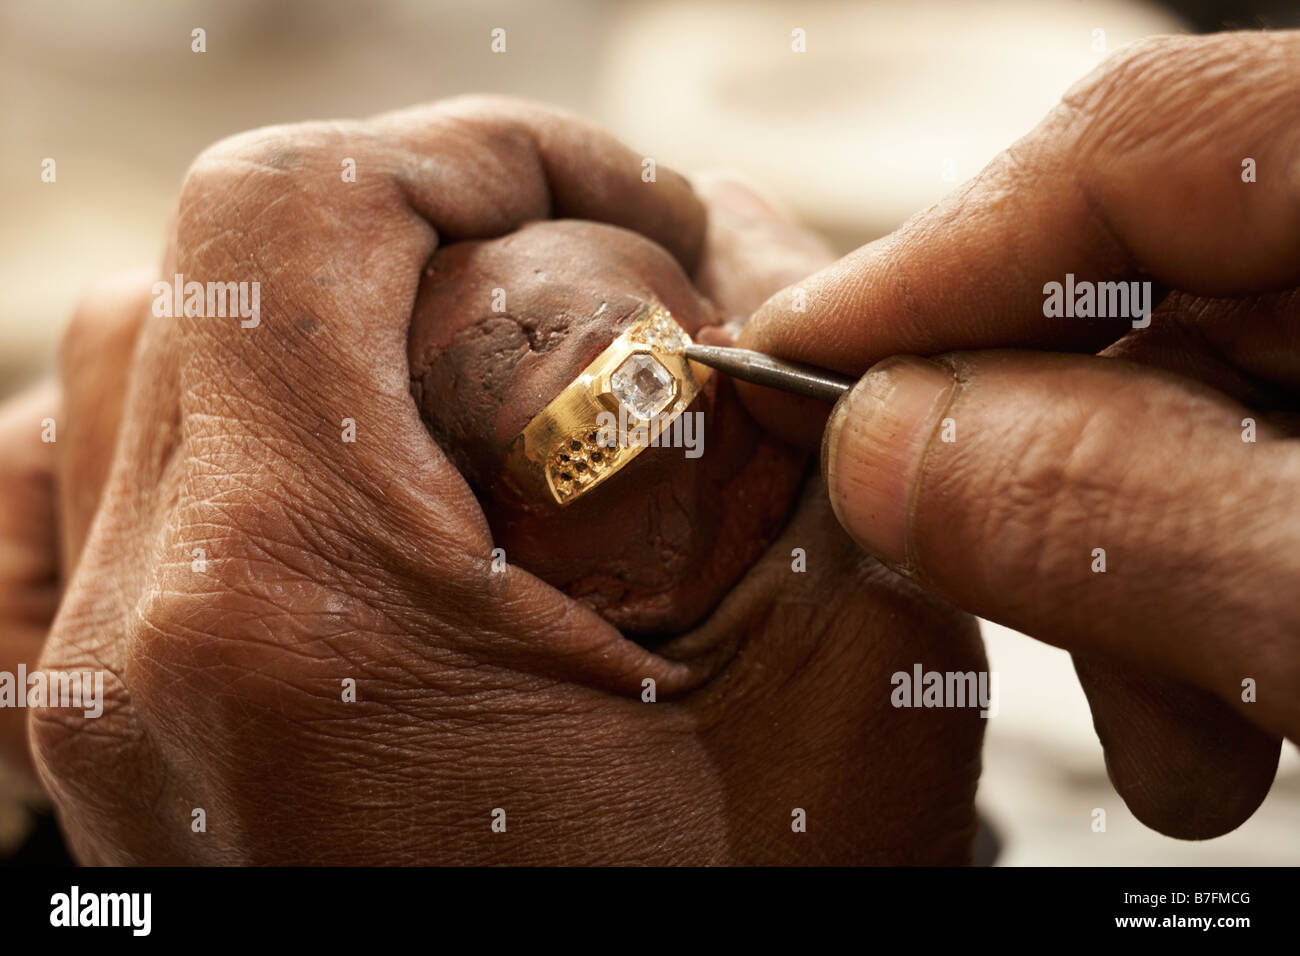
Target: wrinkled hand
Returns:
[1173, 451]
[240, 563]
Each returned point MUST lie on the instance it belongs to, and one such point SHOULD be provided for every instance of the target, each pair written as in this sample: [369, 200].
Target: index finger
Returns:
[1174, 162]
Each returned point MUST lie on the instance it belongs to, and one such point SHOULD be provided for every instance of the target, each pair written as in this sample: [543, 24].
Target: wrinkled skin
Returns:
[328, 560]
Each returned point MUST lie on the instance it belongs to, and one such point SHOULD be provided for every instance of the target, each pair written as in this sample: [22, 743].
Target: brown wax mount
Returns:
[658, 544]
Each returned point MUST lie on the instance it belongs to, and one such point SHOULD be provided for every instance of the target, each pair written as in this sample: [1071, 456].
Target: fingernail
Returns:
[874, 445]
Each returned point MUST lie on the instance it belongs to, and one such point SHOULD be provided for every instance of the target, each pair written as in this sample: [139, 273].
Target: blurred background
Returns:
[891, 105]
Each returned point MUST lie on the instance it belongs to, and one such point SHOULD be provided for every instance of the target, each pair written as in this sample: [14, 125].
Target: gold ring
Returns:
[619, 405]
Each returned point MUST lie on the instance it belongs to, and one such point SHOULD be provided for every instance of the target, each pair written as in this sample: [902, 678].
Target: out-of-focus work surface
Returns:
[889, 106]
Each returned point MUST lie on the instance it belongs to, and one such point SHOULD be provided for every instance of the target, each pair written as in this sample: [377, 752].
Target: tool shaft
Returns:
[761, 369]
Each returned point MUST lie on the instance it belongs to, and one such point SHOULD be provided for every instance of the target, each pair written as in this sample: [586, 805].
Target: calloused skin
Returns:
[327, 561]
[1177, 161]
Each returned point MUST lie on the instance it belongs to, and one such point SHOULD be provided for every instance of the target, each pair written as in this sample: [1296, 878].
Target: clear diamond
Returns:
[642, 385]
[663, 334]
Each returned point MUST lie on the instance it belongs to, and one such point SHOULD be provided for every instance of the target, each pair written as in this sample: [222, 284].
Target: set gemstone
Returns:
[642, 385]
[664, 334]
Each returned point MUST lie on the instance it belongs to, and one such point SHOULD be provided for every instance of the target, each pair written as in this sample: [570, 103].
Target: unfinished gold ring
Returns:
[617, 407]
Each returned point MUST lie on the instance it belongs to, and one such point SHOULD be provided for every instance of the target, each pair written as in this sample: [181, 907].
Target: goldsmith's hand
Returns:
[243, 563]
[1172, 449]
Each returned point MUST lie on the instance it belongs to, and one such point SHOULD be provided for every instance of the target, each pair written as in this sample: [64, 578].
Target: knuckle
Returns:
[1129, 69]
[238, 179]
[272, 150]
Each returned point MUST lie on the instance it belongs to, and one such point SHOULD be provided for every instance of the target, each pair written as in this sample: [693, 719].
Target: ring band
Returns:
[579, 440]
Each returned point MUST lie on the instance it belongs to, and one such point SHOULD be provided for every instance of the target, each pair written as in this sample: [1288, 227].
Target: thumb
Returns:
[1104, 507]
